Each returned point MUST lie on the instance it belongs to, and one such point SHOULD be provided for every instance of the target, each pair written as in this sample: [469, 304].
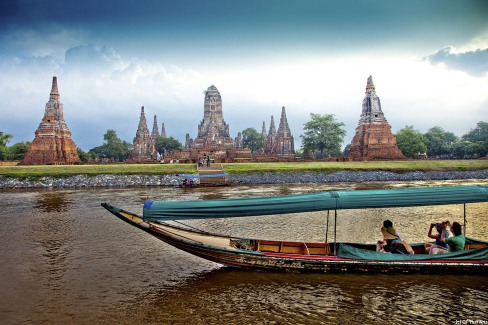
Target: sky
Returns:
[428, 59]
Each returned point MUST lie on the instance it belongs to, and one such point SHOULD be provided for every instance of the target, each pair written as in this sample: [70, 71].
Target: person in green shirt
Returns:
[456, 242]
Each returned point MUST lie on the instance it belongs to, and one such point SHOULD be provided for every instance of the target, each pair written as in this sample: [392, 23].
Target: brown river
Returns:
[66, 260]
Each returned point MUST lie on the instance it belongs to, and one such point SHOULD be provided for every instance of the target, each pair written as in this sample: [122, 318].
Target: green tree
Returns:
[323, 134]
[478, 136]
[465, 150]
[167, 144]
[4, 150]
[439, 143]
[5, 139]
[411, 142]
[113, 147]
[18, 150]
[252, 139]
[86, 156]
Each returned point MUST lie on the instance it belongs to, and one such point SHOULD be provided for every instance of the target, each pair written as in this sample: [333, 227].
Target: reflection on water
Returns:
[223, 295]
[52, 201]
[67, 260]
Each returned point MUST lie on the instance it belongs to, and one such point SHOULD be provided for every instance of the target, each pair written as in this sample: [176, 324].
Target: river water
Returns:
[66, 260]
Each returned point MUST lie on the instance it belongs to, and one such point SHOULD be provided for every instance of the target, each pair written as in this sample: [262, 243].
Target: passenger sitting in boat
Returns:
[391, 242]
[456, 243]
[440, 227]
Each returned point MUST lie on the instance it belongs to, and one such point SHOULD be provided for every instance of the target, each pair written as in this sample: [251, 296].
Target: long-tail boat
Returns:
[207, 180]
[276, 255]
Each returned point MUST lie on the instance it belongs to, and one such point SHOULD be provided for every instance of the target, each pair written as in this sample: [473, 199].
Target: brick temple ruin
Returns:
[281, 142]
[213, 137]
[373, 139]
[143, 145]
[52, 144]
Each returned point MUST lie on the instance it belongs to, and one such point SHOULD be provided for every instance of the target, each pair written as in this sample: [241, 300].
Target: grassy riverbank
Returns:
[235, 168]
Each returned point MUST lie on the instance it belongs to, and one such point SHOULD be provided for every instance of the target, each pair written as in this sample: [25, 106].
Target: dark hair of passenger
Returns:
[387, 224]
[457, 229]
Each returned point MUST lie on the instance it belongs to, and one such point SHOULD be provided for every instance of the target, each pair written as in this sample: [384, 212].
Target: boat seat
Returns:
[293, 247]
[474, 246]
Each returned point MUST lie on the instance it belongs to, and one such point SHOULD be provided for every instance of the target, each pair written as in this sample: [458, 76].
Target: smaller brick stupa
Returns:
[52, 144]
[373, 139]
[280, 142]
[143, 144]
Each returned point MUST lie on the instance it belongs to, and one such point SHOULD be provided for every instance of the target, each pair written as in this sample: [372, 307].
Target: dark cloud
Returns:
[474, 63]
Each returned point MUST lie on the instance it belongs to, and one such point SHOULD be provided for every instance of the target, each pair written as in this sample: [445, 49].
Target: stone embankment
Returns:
[80, 181]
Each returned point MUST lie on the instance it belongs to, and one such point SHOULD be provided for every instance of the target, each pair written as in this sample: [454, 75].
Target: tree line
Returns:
[323, 137]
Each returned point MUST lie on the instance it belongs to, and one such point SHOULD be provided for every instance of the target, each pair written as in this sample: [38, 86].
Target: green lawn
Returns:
[234, 168]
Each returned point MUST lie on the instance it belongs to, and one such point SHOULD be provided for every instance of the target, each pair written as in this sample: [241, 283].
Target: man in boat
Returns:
[456, 243]
[440, 227]
[391, 242]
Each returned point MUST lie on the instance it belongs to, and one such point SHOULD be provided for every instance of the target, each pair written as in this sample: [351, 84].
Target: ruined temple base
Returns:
[51, 151]
[374, 141]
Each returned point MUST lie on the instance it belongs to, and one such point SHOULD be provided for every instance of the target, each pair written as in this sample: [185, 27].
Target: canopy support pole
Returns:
[335, 232]
[327, 228]
[464, 227]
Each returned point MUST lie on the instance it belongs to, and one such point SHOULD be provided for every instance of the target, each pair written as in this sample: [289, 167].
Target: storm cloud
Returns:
[474, 63]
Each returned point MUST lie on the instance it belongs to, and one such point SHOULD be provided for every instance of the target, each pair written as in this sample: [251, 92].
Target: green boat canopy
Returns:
[321, 201]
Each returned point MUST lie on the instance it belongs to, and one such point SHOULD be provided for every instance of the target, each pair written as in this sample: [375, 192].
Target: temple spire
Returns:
[283, 128]
[370, 84]
[155, 132]
[54, 95]
[142, 121]
[143, 144]
[372, 112]
[163, 131]
[52, 144]
[272, 128]
[373, 139]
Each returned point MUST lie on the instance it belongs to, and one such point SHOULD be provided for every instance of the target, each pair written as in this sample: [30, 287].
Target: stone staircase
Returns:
[213, 169]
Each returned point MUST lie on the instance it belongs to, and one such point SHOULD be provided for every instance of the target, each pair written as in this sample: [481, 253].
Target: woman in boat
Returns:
[440, 227]
[391, 242]
[456, 243]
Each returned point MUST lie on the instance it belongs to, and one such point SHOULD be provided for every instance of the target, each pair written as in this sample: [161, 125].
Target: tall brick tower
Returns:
[143, 144]
[213, 132]
[373, 139]
[52, 144]
[284, 143]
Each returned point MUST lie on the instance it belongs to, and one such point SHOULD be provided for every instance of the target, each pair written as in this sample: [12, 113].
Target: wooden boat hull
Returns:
[219, 249]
